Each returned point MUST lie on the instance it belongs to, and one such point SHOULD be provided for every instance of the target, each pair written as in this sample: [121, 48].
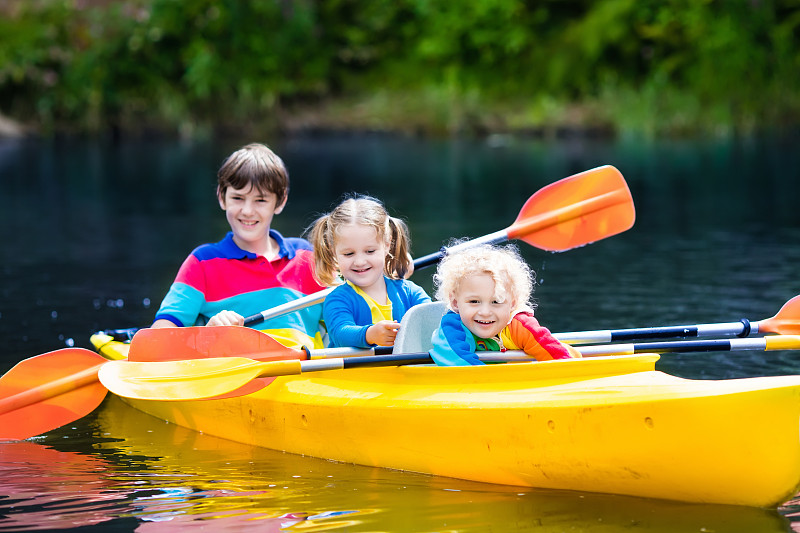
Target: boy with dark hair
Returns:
[254, 267]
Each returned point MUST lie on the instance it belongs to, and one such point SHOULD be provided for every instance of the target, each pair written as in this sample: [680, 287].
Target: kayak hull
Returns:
[607, 424]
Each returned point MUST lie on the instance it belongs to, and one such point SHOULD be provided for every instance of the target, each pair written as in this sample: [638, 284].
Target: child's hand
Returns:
[226, 318]
[383, 333]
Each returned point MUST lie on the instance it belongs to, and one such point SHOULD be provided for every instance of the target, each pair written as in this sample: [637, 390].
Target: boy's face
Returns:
[249, 213]
[478, 307]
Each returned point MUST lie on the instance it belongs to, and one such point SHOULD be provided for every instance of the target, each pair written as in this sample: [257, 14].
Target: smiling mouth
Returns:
[248, 222]
[485, 322]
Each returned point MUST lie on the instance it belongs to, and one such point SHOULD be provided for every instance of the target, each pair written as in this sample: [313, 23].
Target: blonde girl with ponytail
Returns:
[366, 252]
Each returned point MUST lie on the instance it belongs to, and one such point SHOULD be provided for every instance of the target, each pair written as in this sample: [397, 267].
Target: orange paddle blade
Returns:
[576, 211]
[786, 322]
[177, 344]
[49, 390]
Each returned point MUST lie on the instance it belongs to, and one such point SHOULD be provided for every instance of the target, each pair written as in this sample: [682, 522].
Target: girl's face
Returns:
[477, 305]
[360, 255]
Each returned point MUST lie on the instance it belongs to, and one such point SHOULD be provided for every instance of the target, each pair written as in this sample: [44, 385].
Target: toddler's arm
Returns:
[450, 344]
[526, 334]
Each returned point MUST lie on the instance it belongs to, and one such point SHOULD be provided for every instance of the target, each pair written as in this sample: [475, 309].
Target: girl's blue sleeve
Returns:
[451, 347]
[416, 294]
[404, 295]
[338, 311]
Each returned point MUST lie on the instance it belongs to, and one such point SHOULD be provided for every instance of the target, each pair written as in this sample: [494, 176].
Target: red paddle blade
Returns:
[49, 390]
[576, 211]
[202, 342]
[786, 322]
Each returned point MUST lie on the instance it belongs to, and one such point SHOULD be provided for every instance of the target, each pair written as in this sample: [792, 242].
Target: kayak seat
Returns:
[417, 327]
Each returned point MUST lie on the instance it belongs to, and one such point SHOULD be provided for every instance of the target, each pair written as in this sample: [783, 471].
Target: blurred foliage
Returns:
[654, 66]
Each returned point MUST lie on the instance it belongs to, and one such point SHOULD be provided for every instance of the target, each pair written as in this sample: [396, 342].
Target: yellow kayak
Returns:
[226, 471]
[604, 424]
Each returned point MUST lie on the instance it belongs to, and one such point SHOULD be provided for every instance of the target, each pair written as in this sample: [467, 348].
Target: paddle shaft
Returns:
[597, 198]
[319, 297]
[743, 328]
[422, 262]
[785, 322]
[532, 224]
[319, 359]
[777, 342]
[289, 307]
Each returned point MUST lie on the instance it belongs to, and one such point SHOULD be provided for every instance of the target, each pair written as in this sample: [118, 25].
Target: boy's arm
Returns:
[182, 304]
[450, 344]
[525, 333]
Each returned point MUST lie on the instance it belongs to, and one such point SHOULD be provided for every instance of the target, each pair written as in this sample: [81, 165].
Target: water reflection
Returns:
[146, 475]
[43, 488]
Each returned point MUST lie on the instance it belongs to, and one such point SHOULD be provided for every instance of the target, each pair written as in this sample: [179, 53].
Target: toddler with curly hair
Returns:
[487, 291]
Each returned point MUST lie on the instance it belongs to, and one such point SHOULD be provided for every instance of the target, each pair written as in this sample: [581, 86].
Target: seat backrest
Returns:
[417, 326]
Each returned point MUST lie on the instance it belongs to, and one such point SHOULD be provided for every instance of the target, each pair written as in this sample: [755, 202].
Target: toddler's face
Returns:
[477, 305]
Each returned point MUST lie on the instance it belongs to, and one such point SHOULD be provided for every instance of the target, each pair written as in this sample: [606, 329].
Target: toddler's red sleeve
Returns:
[537, 341]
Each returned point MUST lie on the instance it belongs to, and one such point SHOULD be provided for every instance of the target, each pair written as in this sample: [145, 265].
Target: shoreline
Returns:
[338, 118]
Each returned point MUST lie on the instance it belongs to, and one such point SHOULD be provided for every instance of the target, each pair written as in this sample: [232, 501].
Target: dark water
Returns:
[91, 235]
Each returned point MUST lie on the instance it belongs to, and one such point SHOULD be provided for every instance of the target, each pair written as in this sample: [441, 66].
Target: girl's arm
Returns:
[416, 294]
[404, 295]
[525, 333]
[339, 314]
[382, 333]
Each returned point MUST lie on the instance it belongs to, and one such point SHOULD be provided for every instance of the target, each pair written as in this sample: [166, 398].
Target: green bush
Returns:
[431, 65]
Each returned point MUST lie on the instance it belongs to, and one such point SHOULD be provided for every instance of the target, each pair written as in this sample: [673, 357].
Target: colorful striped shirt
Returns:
[455, 345]
[221, 276]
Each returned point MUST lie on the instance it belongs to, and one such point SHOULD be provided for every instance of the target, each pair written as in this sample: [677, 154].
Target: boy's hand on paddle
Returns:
[226, 318]
[383, 333]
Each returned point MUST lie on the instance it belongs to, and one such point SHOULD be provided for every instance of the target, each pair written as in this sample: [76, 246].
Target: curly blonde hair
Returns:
[364, 211]
[513, 278]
